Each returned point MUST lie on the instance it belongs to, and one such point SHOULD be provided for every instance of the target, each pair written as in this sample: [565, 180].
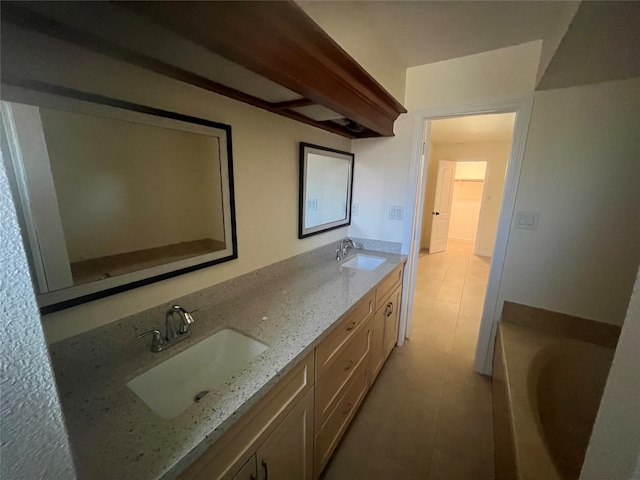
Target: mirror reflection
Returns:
[140, 201]
[325, 189]
[110, 196]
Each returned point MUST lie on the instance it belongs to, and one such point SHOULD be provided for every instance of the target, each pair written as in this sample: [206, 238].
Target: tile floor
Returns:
[429, 415]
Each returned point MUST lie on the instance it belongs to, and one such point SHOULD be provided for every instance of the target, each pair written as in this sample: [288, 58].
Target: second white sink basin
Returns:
[364, 262]
[172, 387]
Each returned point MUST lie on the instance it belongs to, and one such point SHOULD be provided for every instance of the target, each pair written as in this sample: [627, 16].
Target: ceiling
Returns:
[477, 128]
[413, 33]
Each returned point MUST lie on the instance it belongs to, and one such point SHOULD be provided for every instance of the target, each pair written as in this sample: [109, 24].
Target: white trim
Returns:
[415, 201]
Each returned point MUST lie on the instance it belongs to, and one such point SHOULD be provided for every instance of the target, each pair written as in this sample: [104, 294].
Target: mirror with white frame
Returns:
[113, 195]
[326, 180]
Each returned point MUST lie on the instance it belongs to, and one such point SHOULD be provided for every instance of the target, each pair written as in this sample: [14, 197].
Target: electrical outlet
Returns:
[312, 205]
[527, 220]
[354, 209]
[396, 212]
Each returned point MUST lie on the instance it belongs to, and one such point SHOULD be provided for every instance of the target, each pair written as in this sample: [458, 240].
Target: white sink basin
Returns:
[171, 387]
[364, 262]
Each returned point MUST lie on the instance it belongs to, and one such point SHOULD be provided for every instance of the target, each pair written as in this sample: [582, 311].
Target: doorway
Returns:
[458, 206]
[465, 168]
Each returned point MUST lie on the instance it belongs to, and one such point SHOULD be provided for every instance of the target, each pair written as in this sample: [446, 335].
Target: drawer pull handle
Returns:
[349, 365]
[348, 409]
[351, 326]
[266, 470]
[389, 309]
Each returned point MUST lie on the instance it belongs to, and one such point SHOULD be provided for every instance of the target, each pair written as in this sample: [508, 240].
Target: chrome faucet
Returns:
[173, 335]
[343, 248]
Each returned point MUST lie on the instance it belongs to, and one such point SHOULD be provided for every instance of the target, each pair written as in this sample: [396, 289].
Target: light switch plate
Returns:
[396, 212]
[354, 209]
[526, 220]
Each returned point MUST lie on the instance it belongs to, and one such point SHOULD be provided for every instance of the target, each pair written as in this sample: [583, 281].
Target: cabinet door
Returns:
[287, 454]
[248, 472]
[392, 312]
[377, 343]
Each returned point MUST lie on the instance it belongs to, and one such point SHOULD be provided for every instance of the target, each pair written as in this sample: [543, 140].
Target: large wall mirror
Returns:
[326, 180]
[114, 195]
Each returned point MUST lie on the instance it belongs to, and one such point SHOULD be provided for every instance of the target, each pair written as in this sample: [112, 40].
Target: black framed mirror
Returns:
[114, 195]
[326, 181]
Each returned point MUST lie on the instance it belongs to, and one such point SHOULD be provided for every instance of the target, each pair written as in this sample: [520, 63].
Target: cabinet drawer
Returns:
[329, 435]
[331, 386]
[387, 285]
[392, 320]
[330, 347]
[229, 453]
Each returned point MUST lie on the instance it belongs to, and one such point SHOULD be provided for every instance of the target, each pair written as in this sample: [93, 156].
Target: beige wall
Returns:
[265, 148]
[143, 187]
[614, 449]
[580, 172]
[465, 209]
[382, 164]
[496, 154]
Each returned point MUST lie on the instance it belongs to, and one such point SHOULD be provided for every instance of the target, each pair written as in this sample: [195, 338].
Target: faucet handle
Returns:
[157, 340]
[187, 320]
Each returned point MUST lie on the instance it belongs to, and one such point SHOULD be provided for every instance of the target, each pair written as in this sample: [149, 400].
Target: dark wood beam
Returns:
[300, 102]
[280, 42]
[13, 13]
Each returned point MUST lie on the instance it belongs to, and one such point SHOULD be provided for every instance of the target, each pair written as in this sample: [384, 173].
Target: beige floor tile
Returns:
[473, 294]
[438, 334]
[415, 365]
[455, 279]
[469, 307]
[450, 293]
[466, 336]
[460, 373]
[428, 291]
[445, 466]
[445, 310]
[465, 427]
[423, 301]
[346, 466]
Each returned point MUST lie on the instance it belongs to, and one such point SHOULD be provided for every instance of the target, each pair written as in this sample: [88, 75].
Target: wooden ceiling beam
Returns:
[300, 102]
[280, 42]
[25, 18]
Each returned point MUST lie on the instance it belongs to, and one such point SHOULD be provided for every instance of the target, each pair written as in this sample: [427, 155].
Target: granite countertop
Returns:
[290, 306]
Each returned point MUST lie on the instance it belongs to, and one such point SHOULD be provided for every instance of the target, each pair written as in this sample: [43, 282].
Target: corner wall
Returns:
[34, 442]
[614, 449]
[580, 172]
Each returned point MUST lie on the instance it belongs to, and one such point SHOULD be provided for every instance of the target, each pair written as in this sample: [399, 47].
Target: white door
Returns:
[442, 206]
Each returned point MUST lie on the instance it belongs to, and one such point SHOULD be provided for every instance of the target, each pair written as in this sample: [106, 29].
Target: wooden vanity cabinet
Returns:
[344, 381]
[249, 471]
[288, 452]
[291, 433]
[284, 416]
[386, 320]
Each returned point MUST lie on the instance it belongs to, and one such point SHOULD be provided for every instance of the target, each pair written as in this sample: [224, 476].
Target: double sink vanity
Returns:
[275, 365]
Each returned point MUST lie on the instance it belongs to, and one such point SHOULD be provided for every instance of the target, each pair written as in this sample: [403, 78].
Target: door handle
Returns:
[435, 213]
[266, 470]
